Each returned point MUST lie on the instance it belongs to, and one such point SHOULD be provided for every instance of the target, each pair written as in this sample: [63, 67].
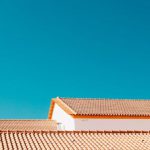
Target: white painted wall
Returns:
[112, 124]
[66, 122]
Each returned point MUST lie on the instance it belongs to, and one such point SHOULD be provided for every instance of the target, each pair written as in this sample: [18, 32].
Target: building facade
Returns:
[100, 114]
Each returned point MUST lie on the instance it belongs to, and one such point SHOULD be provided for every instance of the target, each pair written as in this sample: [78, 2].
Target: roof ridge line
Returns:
[82, 98]
[77, 131]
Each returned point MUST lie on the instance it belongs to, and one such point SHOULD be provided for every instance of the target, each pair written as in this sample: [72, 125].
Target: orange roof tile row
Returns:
[29, 125]
[74, 140]
[116, 107]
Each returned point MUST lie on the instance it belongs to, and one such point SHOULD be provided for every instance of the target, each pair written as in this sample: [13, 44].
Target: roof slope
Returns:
[122, 107]
[74, 140]
[29, 125]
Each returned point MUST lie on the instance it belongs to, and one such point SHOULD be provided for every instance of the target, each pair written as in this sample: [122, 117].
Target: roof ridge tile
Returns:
[77, 131]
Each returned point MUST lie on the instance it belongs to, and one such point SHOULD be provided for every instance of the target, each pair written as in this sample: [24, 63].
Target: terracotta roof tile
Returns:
[28, 125]
[75, 140]
[107, 106]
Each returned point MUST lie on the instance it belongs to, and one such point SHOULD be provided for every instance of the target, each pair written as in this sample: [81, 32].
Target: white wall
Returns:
[66, 122]
[112, 124]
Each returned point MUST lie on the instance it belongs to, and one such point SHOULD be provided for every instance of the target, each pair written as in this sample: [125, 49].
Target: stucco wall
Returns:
[66, 122]
[112, 124]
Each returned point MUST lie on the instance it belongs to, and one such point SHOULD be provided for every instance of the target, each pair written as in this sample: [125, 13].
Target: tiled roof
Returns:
[74, 140]
[28, 125]
[122, 107]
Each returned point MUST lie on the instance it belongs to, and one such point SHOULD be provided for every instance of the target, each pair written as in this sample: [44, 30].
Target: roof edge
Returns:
[102, 98]
[80, 131]
[50, 113]
[86, 116]
[62, 105]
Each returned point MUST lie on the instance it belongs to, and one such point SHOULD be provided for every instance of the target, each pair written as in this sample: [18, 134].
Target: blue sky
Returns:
[71, 49]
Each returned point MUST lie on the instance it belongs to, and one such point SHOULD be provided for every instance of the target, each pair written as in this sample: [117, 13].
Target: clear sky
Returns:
[71, 48]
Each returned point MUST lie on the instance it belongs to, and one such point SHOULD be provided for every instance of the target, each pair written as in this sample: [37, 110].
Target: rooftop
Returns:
[103, 107]
[29, 125]
[125, 140]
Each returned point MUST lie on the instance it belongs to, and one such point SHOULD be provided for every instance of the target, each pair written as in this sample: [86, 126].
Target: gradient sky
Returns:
[70, 48]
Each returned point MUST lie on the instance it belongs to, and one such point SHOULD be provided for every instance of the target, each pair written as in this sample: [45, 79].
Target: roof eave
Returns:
[82, 116]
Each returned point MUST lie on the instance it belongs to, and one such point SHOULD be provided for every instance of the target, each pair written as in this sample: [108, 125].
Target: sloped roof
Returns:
[74, 140]
[29, 125]
[104, 107]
